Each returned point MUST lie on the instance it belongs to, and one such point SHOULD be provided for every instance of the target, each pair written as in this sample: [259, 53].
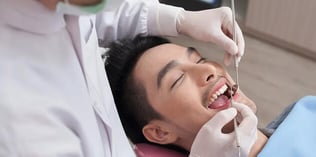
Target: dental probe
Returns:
[235, 40]
[237, 76]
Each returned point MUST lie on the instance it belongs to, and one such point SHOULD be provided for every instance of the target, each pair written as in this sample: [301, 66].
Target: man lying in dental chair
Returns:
[169, 95]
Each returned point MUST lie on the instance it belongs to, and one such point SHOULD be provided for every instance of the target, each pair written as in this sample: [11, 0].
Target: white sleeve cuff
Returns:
[162, 20]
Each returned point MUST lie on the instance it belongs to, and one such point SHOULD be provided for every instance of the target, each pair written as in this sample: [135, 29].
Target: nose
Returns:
[203, 74]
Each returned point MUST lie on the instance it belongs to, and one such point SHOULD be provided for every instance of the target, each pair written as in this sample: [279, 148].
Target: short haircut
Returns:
[129, 93]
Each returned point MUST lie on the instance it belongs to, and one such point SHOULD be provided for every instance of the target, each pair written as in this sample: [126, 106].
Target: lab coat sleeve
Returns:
[132, 17]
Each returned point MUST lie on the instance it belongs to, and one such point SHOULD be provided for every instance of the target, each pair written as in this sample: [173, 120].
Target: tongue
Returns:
[219, 102]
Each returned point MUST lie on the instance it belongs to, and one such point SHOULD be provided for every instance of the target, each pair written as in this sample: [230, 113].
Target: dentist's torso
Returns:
[55, 96]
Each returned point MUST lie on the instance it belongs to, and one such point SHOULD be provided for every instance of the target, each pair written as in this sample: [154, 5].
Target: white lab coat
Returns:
[55, 98]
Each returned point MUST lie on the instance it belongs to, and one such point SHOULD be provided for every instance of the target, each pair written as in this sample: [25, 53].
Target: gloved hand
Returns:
[213, 25]
[211, 141]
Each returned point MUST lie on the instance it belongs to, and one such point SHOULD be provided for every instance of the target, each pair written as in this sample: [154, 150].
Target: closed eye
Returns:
[201, 60]
[175, 82]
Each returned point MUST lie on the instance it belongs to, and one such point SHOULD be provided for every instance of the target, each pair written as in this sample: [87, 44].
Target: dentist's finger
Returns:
[221, 119]
[249, 121]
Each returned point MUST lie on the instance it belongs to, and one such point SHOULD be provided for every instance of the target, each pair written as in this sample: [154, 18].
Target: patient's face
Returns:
[185, 89]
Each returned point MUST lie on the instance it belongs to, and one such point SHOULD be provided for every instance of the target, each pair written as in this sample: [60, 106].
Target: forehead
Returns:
[163, 53]
[154, 59]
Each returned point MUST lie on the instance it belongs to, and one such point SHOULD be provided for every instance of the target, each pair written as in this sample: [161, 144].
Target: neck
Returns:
[185, 143]
[257, 147]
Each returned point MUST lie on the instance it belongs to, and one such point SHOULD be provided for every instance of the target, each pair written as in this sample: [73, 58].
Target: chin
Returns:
[241, 98]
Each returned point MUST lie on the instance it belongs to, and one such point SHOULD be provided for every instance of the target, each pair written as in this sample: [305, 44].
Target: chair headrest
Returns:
[150, 150]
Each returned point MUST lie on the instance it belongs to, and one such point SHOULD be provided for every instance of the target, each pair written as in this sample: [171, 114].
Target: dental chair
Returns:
[150, 150]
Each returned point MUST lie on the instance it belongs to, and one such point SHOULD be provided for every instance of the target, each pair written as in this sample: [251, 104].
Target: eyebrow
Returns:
[162, 73]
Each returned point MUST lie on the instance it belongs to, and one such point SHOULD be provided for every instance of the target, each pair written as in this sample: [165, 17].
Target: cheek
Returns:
[242, 98]
[188, 114]
[187, 99]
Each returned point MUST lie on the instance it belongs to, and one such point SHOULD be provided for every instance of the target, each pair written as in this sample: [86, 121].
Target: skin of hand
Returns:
[213, 25]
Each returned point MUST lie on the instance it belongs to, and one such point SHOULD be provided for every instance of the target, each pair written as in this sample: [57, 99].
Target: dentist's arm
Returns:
[127, 18]
[211, 141]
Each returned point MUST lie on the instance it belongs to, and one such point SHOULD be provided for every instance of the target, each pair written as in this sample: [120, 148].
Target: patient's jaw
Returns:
[185, 89]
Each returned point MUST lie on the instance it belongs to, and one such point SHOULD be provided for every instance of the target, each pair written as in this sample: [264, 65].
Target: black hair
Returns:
[130, 95]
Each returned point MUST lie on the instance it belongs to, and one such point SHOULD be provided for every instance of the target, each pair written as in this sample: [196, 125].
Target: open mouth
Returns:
[219, 99]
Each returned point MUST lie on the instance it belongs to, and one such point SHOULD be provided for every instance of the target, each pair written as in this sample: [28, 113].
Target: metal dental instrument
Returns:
[237, 79]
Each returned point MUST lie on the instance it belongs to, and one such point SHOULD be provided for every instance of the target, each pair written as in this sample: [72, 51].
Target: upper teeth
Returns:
[217, 94]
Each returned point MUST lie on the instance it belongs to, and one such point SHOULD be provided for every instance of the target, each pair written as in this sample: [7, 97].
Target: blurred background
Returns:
[279, 65]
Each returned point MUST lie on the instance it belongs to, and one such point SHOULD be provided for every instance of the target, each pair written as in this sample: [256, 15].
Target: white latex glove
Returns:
[213, 25]
[211, 141]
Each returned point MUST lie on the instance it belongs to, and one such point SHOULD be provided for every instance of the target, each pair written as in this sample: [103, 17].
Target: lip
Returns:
[221, 82]
[235, 97]
[228, 102]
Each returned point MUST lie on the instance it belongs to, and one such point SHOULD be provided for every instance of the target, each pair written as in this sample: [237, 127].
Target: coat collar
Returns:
[31, 16]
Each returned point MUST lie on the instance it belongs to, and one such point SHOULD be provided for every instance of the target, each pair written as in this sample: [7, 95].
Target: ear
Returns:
[159, 132]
